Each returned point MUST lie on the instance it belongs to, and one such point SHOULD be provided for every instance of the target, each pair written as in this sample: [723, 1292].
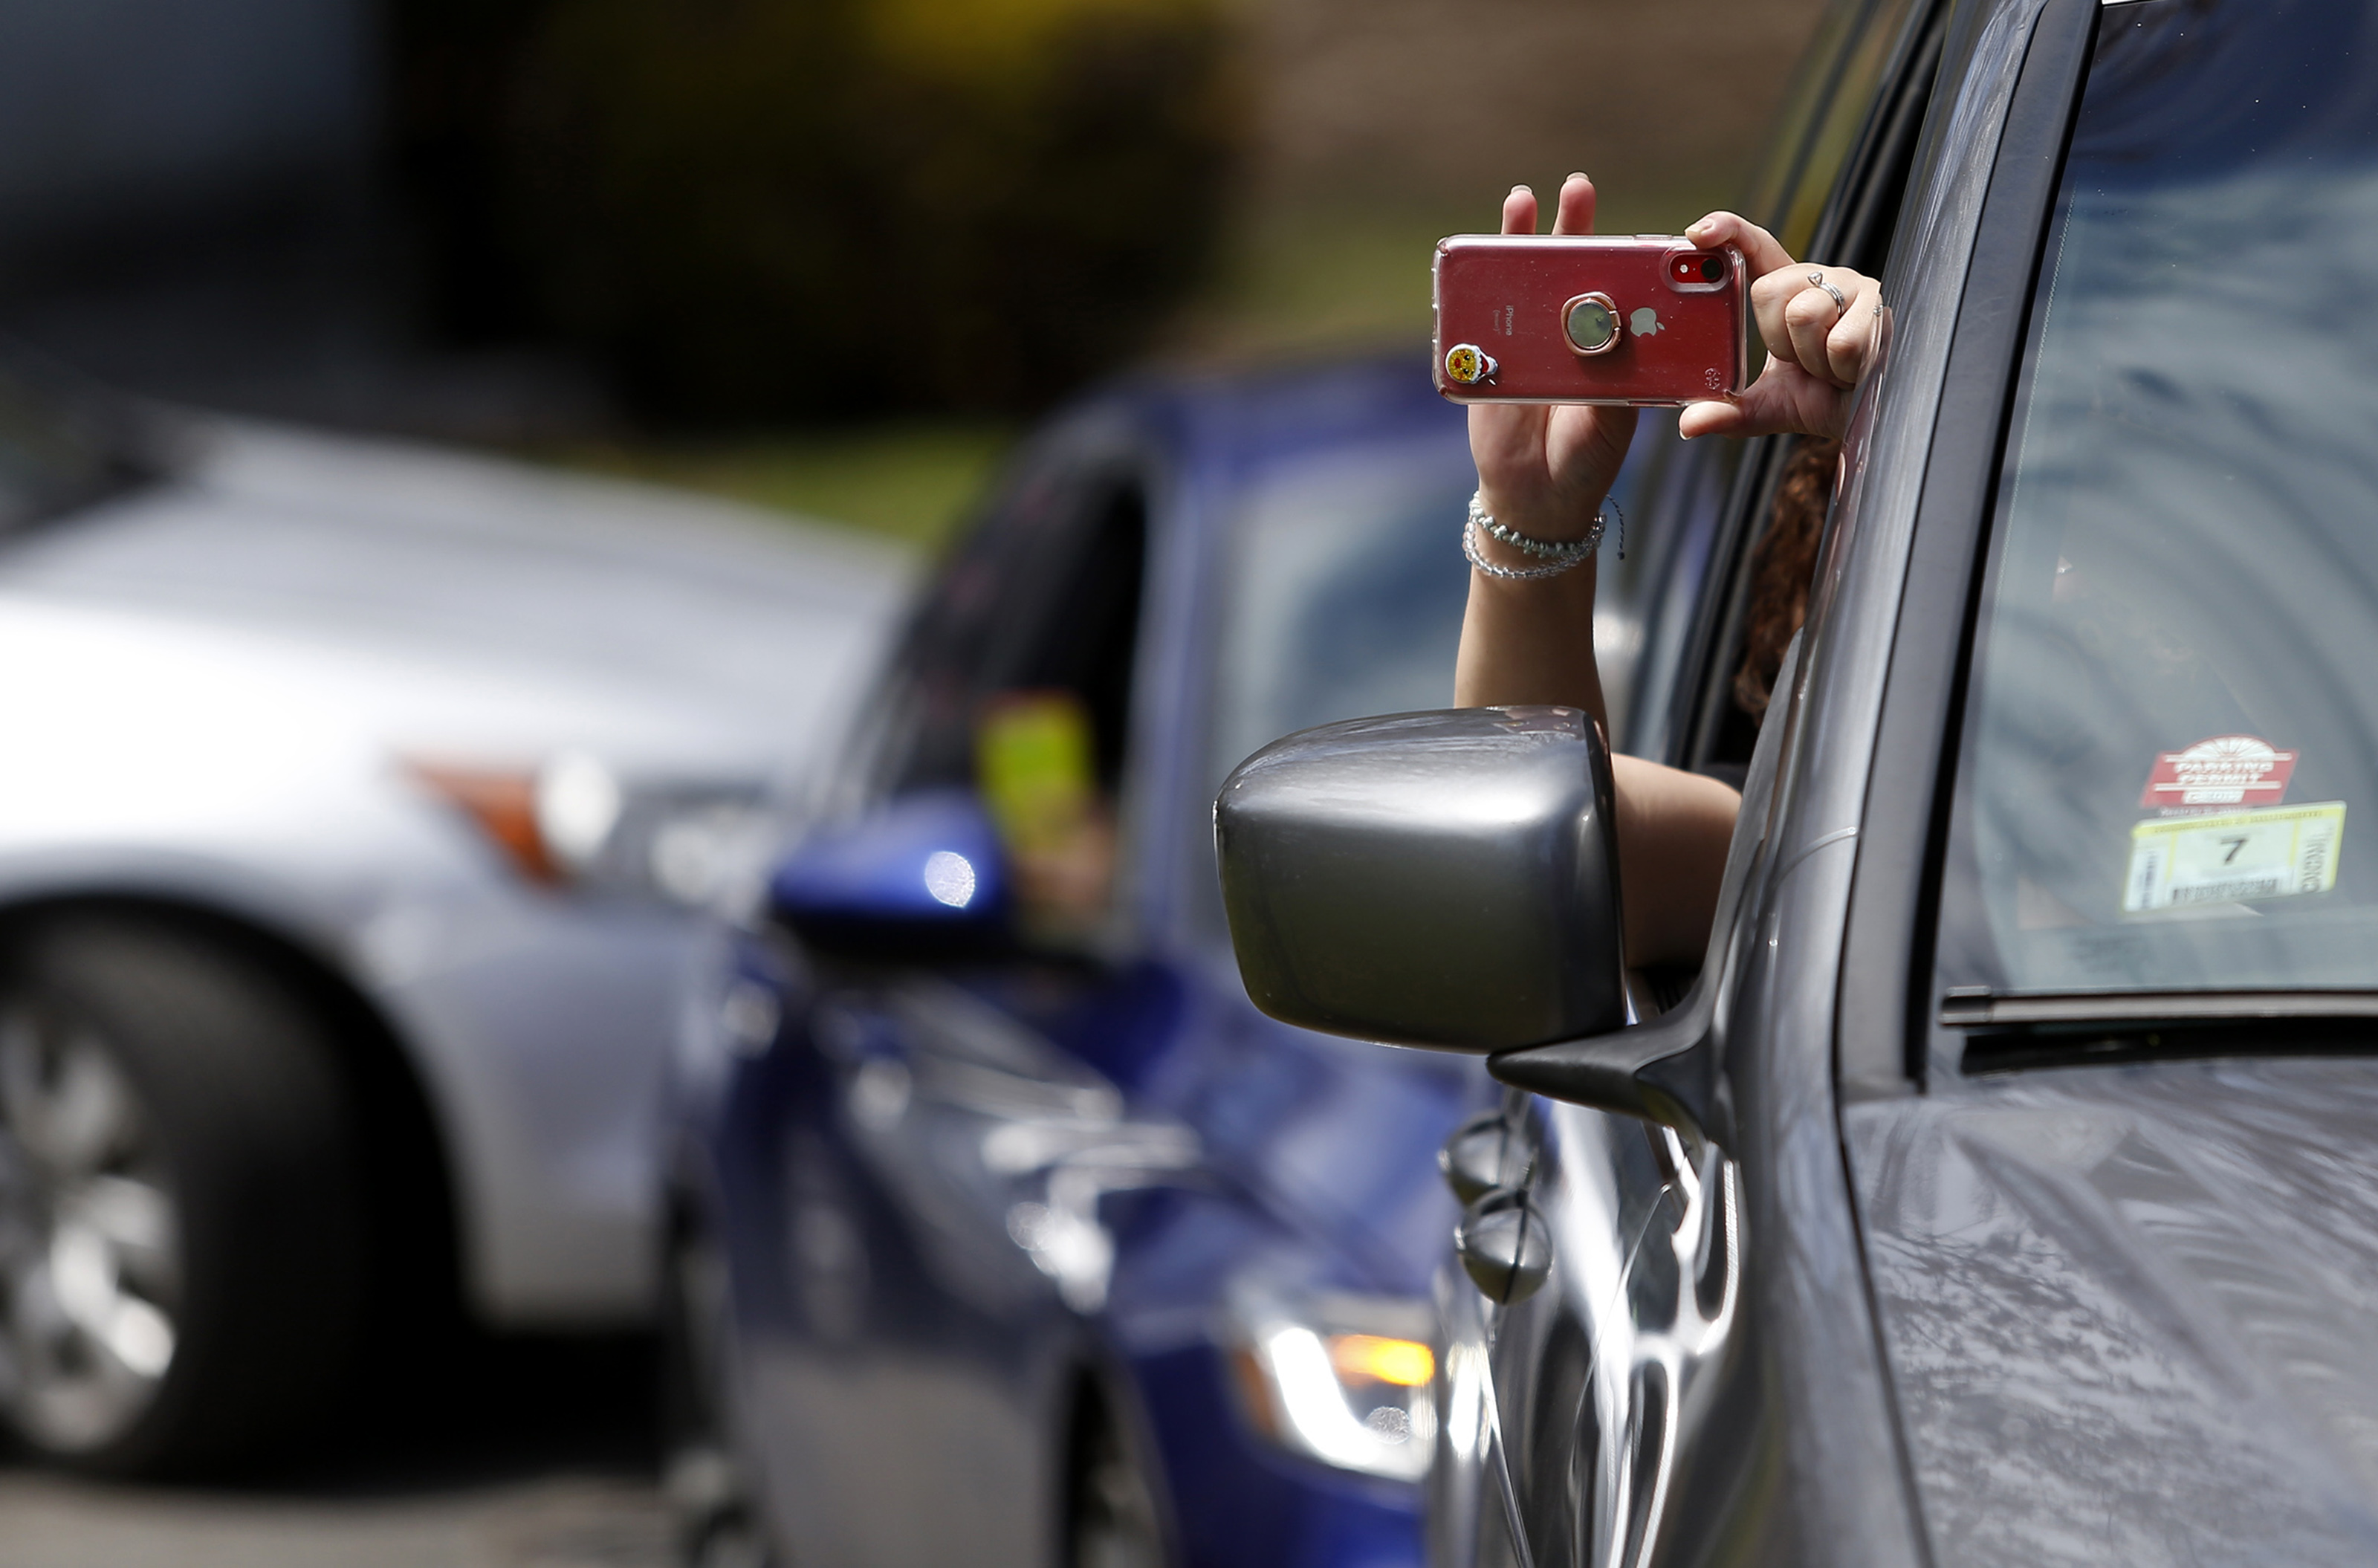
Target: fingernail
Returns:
[1577, 175]
[1517, 189]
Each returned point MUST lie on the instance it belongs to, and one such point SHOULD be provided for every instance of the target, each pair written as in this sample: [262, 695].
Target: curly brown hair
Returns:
[1780, 567]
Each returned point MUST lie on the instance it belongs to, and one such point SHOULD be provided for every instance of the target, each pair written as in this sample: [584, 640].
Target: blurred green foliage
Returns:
[911, 481]
[756, 210]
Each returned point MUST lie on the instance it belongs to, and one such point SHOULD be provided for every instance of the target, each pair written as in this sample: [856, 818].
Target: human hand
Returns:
[1544, 470]
[1818, 349]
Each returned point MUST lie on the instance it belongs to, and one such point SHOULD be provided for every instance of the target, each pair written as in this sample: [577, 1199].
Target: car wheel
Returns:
[718, 1523]
[1114, 1517]
[180, 1256]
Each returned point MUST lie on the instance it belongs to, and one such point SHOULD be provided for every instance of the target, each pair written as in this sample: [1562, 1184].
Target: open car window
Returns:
[2168, 769]
[1045, 598]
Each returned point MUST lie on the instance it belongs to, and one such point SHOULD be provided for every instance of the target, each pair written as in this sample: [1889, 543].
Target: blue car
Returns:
[1003, 1228]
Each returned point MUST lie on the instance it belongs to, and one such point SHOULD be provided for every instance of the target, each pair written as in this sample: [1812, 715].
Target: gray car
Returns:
[1998, 1189]
[361, 806]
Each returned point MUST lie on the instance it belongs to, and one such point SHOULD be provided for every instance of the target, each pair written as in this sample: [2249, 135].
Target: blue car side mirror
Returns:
[922, 875]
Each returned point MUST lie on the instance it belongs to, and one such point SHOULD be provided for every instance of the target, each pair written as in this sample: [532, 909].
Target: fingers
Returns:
[1787, 399]
[1801, 321]
[1519, 212]
[1810, 317]
[1710, 419]
[1769, 293]
[1849, 347]
[1819, 346]
[1572, 211]
[1759, 247]
[1575, 214]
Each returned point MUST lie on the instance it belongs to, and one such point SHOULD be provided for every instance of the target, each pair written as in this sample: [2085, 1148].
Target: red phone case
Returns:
[1523, 319]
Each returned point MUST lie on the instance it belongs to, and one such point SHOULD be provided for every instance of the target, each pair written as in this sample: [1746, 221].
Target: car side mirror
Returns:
[922, 876]
[1447, 880]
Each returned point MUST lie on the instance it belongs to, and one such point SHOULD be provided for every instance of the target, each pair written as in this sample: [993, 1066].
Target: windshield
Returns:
[2168, 771]
[1345, 591]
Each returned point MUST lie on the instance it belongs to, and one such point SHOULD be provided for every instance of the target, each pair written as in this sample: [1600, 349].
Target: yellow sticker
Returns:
[2234, 856]
[1468, 365]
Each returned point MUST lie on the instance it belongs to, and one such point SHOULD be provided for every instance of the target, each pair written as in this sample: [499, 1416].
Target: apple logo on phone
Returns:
[1644, 322]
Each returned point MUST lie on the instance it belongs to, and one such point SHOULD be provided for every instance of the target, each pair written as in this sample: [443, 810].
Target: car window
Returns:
[1343, 595]
[1043, 598]
[2165, 769]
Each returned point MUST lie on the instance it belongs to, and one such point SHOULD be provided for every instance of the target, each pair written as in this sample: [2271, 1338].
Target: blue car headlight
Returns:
[1347, 1379]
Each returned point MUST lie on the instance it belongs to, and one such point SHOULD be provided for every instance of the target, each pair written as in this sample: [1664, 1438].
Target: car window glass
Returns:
[2167, 765]
[1046, 598]
[1344, 592]
[1015, 682]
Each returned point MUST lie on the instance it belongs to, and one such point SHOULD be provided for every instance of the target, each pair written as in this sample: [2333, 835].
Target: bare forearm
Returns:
[1673, 830]
[1530, 643]
[1542, 473]
[1534, 642]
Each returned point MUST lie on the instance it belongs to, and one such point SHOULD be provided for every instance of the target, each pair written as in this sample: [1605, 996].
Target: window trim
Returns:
[1884, 1021]
[1894, 122]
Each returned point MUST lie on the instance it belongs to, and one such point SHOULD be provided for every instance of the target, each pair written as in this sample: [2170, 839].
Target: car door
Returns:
[2104, 1032]
[1561, 1427]
[940, 1214]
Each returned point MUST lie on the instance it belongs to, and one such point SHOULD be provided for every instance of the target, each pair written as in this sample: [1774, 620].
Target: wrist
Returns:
[1555, 520]
[1503, 554]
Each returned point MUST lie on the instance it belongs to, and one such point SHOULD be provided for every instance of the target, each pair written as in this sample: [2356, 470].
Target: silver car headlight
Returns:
[1346, 1379]
[573, 821]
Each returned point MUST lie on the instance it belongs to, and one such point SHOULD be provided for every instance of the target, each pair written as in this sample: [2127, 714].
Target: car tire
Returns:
[1113, 1518]
[718, 1523]
[181, 1215]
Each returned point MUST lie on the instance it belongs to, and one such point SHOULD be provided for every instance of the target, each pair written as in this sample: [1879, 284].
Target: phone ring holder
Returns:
[1467, 364]
[1590, 322]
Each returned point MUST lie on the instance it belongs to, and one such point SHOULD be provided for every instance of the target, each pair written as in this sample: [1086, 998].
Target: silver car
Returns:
[359, 806]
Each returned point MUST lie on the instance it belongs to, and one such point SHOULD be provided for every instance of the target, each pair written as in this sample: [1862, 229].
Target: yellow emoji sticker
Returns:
[1467, 364]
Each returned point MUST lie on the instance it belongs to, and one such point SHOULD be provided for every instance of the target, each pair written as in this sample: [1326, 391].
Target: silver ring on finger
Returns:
[1841, 299]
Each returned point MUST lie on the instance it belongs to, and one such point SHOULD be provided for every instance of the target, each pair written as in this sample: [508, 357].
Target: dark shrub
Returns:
[765, 208]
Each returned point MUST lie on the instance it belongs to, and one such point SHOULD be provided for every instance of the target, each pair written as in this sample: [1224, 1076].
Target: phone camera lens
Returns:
[1712, 268]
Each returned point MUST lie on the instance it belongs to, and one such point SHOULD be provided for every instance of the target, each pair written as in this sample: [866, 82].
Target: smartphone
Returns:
[1591, 318]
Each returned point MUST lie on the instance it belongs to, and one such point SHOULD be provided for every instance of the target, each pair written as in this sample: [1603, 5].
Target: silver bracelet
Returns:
[1558, 557]
[1565, 550]
[1512, 574]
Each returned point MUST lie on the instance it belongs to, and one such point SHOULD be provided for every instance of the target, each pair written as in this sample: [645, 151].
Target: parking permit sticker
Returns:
[2226, 770]
[2234, 856]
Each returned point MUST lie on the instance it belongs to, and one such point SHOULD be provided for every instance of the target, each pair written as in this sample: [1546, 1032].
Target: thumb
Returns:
[1786, 400]
[1761, 250]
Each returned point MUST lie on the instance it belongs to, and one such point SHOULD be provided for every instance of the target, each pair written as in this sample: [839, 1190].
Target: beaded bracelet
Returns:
[1558, 556]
